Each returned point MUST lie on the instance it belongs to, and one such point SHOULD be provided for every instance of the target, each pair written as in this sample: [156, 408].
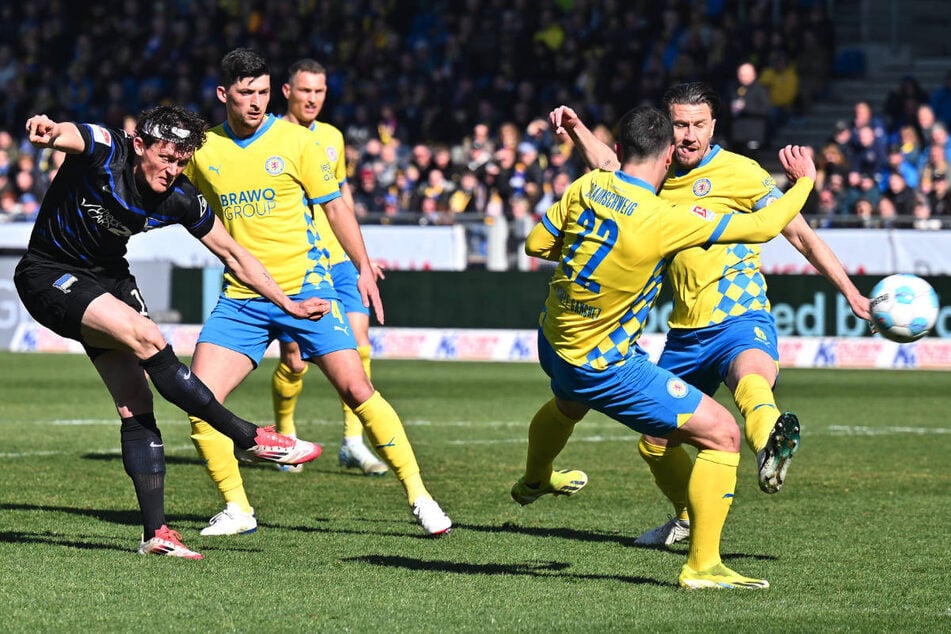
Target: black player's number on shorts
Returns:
[138, 297]
[607, 231]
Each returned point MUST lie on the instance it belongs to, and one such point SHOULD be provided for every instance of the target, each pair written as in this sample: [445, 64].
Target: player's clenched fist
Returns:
[39, 127]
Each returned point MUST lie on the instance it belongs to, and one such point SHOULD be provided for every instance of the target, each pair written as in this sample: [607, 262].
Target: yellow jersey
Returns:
[613, 239]
[330, 140]
[724, 280]
[261, 188]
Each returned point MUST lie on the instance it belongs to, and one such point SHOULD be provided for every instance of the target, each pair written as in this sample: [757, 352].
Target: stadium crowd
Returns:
[882, 168]
[443, 104]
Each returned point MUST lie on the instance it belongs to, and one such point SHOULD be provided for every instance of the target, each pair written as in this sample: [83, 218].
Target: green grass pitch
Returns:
[857, 540]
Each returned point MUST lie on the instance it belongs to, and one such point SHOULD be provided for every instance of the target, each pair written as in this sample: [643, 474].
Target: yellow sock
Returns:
[710, 495]
[385, 431]
[547, 436]
[671, 467]
[286, 386]
[217, 450]
[351, 422]
[754, 398]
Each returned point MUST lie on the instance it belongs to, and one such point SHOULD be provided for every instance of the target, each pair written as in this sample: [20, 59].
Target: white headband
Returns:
[172, 134]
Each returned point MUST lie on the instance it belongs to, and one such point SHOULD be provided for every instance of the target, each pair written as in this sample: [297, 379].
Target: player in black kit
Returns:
[75, 280]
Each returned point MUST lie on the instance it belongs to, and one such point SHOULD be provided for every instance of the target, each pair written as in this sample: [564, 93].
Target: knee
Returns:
[290, 357]
[356, 391]
[147, 338]
[724, 434]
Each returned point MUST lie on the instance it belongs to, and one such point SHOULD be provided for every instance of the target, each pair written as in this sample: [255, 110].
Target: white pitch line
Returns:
[859, 430]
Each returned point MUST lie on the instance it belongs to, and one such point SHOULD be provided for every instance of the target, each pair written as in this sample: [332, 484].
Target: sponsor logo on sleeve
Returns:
[100, 135]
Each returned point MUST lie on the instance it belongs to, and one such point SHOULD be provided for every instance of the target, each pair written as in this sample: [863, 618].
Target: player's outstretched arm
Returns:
[250, 271]
[347, 230]
[821, 256]
[44, 132]
[769, 221]
[596, 154]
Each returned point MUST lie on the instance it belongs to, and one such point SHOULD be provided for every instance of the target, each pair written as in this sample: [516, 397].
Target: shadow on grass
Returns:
[123, 518]
[556, 569]
[317, 466]
[109, 457]
[21, 537]
[597, 537]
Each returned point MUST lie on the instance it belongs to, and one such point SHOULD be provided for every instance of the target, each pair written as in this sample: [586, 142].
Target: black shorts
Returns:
[57, 295]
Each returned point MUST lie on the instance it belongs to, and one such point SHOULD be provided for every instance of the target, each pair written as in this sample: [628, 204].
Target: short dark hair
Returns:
[241, 63]
[692, 93]
[305, 65]
[643, 133]
[173, 124]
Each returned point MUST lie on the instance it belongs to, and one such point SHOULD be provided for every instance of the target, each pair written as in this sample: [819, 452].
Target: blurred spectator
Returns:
[830, 161]
[470, 197]
[941, 101]
[407, 180]
[433, 193]
[902, 103]
[387, 164]
[935, 165]
[442, 160]
[368, 196]
[869, 155]
[422, 160]
[538, 133]
[922, 215]
[554, 190]
[839, 190]
[867, 190]
[563, 159]
[509, 136]
[749, 109]
[926, 121]
[900, 195]
[391, 205]
[842, 137]
[866, 212]
[29, 206]
[476, 149]
[781, 79]
[527, 175]
[897, 163]
[9, 208]
[939, 139]
[885, 214]
[827, 208]
[863, 116]
[939, 198]
[910, 144]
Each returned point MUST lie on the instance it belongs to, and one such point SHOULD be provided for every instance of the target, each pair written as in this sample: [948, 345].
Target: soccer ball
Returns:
[904, 307]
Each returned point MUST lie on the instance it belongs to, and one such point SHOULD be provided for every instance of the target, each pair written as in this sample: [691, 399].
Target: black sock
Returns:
[143, 457]
[179, 386]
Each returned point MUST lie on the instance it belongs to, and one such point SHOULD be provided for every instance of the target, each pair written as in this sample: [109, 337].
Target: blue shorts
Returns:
[636, 393]
[344, 276]
[702, 356]
[249, 325]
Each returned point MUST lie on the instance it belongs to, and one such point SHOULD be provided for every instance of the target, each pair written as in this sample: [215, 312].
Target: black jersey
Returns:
[94, 205]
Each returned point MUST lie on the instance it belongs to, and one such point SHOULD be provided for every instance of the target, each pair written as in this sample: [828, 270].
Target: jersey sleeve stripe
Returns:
[719, 229]
[552, 229]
